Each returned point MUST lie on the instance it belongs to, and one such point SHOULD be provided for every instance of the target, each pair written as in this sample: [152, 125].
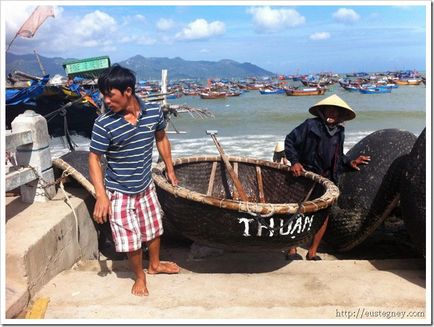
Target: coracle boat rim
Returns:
[327, 199]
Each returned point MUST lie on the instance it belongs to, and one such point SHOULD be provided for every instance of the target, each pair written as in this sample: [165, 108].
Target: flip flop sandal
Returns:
[293, 256]
[314, 258]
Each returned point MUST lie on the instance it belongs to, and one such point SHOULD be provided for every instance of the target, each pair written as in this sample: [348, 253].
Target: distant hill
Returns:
[28, 64]
[178, 68]
[145, 68]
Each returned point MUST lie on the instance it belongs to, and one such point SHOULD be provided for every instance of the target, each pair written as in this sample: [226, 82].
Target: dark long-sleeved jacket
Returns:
[303, 145]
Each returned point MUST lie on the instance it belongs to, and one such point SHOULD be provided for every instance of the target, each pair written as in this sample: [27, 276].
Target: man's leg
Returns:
[155, 265]
[316, 241]
[135, 260]
[125, 242]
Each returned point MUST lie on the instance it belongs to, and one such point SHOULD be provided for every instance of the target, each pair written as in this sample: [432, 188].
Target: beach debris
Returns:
[38, 308]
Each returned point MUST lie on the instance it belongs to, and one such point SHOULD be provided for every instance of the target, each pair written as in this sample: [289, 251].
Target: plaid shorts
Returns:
[135, 218]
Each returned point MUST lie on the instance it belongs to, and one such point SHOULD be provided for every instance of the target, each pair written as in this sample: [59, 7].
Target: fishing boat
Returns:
[388, 85]
[212, 95]
[408, 82]
[66, 111]
[233, 93]
[272, 91]
[375, 90]
[350, 88]
[282, 210]
[305, 91]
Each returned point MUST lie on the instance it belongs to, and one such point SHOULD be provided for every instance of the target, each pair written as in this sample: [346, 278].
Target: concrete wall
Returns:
[41, 242]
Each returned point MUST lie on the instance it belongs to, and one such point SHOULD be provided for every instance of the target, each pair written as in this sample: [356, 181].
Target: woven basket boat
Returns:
[413, 193]
[370, 195]
[204, 207]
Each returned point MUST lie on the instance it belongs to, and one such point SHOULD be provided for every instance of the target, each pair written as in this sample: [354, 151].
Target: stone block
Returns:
[44, 239]
[30, 120]
[38, 159]
[36, 191]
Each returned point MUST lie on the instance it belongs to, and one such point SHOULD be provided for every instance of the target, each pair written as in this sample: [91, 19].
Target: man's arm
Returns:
[293, 141]
[163, 147]
[102, 206]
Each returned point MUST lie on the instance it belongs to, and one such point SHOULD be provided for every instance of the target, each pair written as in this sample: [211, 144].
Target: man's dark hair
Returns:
[117, 77]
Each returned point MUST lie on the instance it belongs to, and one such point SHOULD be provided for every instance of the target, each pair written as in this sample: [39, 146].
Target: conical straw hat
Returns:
[280, 146]
[345, 112]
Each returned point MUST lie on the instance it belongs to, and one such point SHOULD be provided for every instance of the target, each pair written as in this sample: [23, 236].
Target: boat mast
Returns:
[40, 63]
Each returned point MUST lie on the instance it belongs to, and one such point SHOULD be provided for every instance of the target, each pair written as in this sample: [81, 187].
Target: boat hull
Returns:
[304, 93]
[378, 90]
[213, 216]
[267, 92]
[408, 82]
[207, 96]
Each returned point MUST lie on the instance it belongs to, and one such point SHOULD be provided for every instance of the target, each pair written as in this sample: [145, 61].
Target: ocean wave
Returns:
[254, 146]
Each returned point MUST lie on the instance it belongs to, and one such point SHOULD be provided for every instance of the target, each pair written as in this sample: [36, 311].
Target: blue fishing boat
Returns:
[28, 94]
[388, 86]
[272, 91]
[375, 90]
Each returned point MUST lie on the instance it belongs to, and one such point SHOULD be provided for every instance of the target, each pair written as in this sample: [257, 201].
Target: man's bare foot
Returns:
[164, 267]
[139, 288]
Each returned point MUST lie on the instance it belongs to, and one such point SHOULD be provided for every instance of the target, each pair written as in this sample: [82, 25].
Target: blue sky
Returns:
[283, 37]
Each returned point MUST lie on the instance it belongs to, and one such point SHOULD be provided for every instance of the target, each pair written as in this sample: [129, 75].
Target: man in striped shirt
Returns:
[126, 194]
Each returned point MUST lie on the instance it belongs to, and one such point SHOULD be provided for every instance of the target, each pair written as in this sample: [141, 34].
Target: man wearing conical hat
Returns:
[317, 145]
[279, 153]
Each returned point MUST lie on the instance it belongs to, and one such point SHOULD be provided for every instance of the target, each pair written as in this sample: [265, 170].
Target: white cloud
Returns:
[140, 17]
[266, 19]
[346, 16]
[320, 36]
[165, 24]
[145, 40]
[201, 29]
[204, 51]
[95, 23]
[89, 43]
[137, 39]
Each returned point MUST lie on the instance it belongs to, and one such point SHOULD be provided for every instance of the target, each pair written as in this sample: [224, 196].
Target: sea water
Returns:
[251, 124]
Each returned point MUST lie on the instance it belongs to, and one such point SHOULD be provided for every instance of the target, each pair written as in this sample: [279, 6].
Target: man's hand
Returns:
[102, 209]
[297, 169]
[171, 177]
[361, 160]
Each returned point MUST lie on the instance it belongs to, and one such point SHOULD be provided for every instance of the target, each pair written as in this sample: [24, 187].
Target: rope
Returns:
[44, 183]
[74, 213]
[62, 111]
[71, 143]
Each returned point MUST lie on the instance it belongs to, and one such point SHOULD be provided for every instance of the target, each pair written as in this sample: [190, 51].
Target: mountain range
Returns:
[145, 68]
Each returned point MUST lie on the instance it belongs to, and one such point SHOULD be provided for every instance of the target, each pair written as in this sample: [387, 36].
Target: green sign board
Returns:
[88, 68]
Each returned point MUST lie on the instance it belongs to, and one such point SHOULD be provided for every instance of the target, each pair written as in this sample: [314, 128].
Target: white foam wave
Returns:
[254, 146]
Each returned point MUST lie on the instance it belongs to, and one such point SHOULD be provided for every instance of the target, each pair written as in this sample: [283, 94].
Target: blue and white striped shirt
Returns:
[127, 147]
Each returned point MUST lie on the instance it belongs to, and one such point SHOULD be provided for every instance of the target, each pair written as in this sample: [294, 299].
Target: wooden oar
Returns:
[228, 165]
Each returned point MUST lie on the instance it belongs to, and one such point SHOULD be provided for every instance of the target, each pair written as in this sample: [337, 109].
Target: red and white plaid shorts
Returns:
[135, 218]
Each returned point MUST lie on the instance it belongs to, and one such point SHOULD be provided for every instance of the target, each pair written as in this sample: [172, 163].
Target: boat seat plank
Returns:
[260, 185]
[211, 178]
